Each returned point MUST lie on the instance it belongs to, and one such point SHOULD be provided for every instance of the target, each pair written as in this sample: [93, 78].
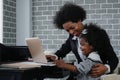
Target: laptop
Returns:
[37, 52]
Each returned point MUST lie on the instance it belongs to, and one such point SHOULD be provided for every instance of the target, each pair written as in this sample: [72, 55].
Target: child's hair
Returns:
[93, 35]
[69, 12]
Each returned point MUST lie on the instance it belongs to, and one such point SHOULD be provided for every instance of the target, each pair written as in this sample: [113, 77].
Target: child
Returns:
[91, 44]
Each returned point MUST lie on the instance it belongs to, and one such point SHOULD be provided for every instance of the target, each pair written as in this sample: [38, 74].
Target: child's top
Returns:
[85, 66]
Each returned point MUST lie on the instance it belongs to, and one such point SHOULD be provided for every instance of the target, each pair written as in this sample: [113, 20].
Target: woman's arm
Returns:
[65, 48]
[108, 53]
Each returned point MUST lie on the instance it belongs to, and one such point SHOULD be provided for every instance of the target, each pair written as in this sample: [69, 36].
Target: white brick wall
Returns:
[103, 12]
[9, 22]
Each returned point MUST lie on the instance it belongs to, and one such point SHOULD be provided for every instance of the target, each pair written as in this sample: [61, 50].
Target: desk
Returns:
[54, 72]
[21, 53]
[32, 73]
[18, 74]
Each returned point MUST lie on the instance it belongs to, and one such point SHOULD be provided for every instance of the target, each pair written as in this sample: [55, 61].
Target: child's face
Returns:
[85, 47]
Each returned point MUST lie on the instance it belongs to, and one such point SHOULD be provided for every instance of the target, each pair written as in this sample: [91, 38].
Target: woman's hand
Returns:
[51, 57]
[98, 70]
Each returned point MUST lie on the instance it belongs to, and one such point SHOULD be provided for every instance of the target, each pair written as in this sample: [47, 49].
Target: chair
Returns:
[110, 77]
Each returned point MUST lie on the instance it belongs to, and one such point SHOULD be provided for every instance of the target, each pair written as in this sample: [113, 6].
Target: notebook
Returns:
[37, 52]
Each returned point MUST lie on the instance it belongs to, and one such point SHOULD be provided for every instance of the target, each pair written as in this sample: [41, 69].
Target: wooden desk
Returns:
[33, 73]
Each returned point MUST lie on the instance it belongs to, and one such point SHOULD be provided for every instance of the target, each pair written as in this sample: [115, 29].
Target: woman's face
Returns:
[73, 28]
[85, 47]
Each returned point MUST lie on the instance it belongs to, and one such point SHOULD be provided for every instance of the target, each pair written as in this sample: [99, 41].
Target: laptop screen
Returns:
[36, 49]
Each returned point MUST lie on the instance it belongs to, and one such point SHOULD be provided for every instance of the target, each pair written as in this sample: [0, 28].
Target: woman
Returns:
[70, 18]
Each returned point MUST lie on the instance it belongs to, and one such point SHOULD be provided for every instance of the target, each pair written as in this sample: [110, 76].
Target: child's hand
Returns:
[60, 63]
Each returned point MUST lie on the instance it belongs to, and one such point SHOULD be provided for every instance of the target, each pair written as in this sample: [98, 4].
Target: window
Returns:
[1, 21]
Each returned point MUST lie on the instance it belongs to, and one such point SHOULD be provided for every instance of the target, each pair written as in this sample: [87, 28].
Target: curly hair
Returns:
[69, 12]
[95, 36]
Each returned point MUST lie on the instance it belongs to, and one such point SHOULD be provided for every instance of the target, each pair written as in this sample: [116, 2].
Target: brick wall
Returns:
[9, 22]
[103, 12]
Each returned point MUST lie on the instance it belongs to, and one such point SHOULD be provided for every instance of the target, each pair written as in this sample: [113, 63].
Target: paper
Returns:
[47, 64]
[21, 65]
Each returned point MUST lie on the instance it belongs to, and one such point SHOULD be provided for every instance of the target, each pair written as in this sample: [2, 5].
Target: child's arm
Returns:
[83, 67]
[62, 64]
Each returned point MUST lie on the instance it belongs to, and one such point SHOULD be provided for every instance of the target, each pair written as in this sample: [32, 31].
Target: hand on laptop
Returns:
[51, 57]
